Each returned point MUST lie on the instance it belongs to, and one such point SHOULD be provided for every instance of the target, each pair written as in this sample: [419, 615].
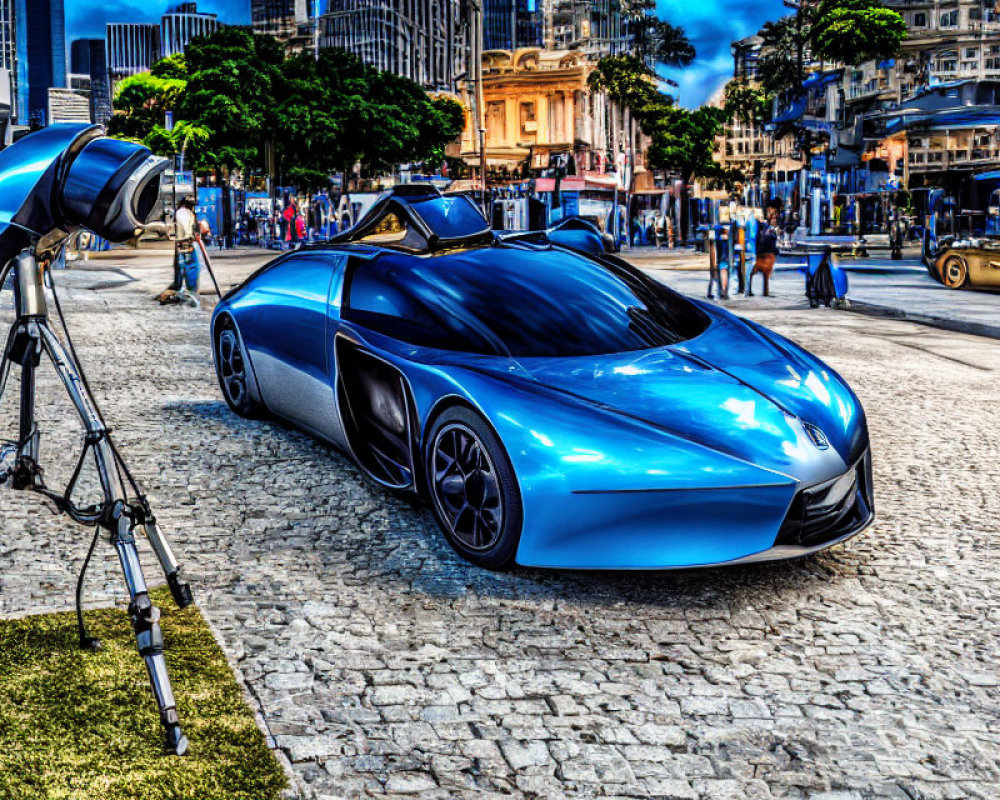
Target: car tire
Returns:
[472, 488]
[233, 371]
[954, 272]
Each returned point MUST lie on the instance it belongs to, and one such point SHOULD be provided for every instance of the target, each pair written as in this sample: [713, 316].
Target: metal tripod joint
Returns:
[29, 285]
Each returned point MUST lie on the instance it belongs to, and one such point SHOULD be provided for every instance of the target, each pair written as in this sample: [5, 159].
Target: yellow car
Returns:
[972, 262]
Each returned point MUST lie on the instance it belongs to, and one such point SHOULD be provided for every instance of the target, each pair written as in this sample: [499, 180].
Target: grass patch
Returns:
[76, 725]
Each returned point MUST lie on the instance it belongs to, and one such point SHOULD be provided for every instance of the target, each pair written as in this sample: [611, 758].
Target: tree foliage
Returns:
[747, 102]
[233, 93]
[230, 93]
[684, 141]
[854, 31]
[777, 69]
[670, 45]
[626, 79]
[142, 101]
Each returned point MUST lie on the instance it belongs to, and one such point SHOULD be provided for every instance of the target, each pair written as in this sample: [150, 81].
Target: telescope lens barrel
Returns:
[112, 187]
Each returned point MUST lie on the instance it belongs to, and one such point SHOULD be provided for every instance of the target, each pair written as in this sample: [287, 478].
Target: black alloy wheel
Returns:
[473, 489]
[231, 367]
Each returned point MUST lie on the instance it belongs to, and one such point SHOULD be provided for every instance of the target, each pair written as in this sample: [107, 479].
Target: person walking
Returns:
[187, 259]
[291, 230]
[767, 252]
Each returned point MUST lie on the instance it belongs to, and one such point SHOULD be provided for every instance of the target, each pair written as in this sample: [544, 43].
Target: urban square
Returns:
[499, 399]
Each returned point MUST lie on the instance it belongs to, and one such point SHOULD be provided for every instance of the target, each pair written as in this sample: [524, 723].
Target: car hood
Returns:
[731, 389]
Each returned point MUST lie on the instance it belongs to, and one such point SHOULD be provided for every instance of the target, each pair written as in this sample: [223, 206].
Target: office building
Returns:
[131, 47]
[423, 40]
[87, 57]
[8, 48]
[71, 104]
[40, 35]
[181, 24]
[279, 18]
[510, 24]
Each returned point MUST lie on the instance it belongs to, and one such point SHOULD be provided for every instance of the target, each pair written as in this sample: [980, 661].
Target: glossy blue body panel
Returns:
[687, 454]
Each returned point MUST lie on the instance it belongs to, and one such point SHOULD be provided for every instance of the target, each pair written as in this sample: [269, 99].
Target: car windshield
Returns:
[501, 300]
[451, 217]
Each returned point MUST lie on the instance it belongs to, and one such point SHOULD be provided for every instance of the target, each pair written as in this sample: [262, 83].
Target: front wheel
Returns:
[473, 489]
[954, 272]
[233, 372]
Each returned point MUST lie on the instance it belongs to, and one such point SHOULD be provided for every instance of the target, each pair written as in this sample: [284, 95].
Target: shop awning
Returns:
[571, 183]
[950, 119]
[596, 181]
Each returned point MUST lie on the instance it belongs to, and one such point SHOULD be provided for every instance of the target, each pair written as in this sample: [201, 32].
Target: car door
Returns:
[285, 321]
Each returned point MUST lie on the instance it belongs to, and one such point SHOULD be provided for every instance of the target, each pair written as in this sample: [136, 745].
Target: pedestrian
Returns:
[718, 262]
[291, 232]
[188, 266]
[767, 252]
[300, 228]
[659, 230]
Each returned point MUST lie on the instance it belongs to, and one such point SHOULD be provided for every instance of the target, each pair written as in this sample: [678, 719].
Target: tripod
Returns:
[123, 512]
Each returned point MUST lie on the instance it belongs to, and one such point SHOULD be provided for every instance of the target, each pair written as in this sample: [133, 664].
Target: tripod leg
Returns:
[145, 622]
[145, 616]
[27, 433]
[180, 590]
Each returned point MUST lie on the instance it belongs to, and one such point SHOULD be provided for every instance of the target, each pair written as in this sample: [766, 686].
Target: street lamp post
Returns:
[475, 15]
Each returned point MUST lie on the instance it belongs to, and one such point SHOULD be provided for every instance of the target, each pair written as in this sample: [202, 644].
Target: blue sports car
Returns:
[556, 408]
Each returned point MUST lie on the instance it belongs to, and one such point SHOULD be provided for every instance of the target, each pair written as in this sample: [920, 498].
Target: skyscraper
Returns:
[423, 40]
[40, 34]
[87, 57]
[132, 47]
[279, 18]
[181, 24]
[8, 47]
[510, 24]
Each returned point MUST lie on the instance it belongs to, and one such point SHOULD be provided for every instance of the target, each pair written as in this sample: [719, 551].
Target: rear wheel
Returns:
[233, 372]
[473, 489]
[954, 272]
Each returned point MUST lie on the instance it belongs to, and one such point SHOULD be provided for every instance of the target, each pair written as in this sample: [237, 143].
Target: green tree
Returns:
[777, 69]
[230, 93]
[684, 141]
[443, 125]
[854, 31]
[174, 66]
[626, 79]
[141, 101]
[337, 111]
[185, 137]
[670, 45]
[746, 102]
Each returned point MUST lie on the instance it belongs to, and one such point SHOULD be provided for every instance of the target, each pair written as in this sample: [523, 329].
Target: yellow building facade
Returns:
[538, 104]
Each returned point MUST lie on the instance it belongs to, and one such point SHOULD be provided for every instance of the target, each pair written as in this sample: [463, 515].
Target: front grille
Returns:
[831, 510]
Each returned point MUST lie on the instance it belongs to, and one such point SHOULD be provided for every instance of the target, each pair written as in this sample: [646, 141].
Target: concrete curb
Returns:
[944, 323]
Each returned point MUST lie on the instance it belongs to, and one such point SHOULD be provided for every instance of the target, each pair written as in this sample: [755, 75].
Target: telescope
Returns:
[54, 182]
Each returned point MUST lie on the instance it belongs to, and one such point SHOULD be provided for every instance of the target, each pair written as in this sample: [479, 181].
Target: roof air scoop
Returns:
[420, 219]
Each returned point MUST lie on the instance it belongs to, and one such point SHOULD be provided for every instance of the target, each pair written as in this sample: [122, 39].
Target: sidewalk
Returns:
[878, 287]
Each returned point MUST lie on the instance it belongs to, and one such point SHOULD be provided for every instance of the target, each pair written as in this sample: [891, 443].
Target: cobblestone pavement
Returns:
[387, 667]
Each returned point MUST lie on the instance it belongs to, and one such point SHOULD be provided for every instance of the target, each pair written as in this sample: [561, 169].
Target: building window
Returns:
[970, 52]
[975, 14]
[529, 124]
[920, 20]
[949, 19]
[495, 123]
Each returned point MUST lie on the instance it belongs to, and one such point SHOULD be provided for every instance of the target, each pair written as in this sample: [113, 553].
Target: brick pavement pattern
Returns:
[385, 666]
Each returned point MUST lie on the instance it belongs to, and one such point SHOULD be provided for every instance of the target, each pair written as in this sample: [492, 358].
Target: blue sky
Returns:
[710, 24]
